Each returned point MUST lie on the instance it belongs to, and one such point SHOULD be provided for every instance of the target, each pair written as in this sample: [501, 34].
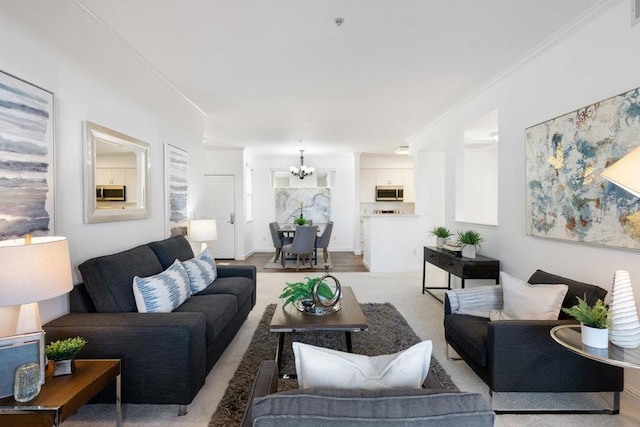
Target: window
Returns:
[477, 179]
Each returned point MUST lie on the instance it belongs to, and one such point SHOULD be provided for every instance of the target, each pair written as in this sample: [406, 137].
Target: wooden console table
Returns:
[62, 396]
[480, 267]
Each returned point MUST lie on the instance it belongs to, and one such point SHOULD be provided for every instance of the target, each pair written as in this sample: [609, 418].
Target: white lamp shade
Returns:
[625, 173]
[203, 230]
[34, 272]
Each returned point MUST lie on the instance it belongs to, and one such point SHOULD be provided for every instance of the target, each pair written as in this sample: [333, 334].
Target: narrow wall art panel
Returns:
[566, 196]
[26, 159]
[176, 188]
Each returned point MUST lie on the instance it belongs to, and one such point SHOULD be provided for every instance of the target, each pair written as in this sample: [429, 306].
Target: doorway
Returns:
[219, 204]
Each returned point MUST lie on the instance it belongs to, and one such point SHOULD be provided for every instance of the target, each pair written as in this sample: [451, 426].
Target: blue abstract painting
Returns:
[177, 177]
[26, 159]
[566, 196]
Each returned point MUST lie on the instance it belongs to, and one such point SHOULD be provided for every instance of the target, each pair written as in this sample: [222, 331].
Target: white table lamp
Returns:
[32, 270]
[203, 230]
[625, 173]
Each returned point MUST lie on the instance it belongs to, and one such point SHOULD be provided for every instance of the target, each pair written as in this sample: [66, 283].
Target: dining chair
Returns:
[279, 239]
[302, 246]
[323, 240]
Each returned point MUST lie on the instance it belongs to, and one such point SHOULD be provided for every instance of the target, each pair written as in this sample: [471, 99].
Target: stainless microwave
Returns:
[111, 192]
[394, 193]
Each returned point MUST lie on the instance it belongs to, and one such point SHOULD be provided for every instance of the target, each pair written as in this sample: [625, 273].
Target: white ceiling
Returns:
[269, 73]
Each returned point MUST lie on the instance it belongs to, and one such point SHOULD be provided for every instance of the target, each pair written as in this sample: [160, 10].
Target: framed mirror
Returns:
[116, 176]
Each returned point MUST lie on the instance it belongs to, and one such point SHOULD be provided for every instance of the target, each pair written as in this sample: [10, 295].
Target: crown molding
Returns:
[556, 38]
[114, 35]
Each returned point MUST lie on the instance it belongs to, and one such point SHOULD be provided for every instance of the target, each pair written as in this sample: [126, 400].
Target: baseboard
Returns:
[633, 394]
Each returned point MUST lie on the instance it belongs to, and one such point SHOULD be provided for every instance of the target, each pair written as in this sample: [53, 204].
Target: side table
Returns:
[569, 336]
[62, 396]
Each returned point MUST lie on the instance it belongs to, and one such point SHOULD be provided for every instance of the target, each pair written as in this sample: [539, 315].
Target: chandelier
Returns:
[303, 170]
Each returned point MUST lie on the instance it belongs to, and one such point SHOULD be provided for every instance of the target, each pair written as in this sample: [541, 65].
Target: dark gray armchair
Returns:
[520, 355]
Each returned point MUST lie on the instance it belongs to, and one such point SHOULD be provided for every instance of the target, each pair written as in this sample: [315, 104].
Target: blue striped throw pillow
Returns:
[163, 292]
[201, 270]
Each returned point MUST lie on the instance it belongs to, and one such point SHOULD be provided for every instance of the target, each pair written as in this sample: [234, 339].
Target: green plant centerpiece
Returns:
[594, 322]
[62, 353]
[469, 240]
[300, 220]
[442, 234]
[313, 295]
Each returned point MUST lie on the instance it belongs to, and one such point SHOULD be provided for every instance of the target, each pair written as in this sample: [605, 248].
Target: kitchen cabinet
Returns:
[111, 176]
[370, 178]
[409, 187]
[389, 176]
[131, 181]
[367, 185]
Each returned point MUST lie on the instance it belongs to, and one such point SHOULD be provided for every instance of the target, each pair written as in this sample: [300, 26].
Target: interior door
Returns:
[219, 204]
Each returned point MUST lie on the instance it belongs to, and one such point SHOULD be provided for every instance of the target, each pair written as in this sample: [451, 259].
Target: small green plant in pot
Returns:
[594, 322]
[303, 292]
[469, 240]
[62, 353]
[442, 234]
[300, 220]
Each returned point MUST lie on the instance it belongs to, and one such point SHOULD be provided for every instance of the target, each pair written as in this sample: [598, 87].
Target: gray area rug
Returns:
[388, 333]
[291, 264]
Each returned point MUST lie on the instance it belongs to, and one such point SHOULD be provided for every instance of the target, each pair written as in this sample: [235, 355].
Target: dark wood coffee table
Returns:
[349, 319]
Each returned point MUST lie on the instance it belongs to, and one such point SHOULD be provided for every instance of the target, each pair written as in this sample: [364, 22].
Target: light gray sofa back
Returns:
[380, 408]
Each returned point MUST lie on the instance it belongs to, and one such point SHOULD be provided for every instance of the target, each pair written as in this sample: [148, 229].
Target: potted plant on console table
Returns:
[442, 234]
[594, 322]
[469, 240]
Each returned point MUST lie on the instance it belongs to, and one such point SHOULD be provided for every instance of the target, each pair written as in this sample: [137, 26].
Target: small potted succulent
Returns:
[469, 240]
[594, 322]
[62, 353]
[442, 234]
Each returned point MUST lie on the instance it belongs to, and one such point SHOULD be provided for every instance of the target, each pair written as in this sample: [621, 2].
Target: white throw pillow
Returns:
[163, 292]
[319, 367]
[523, 301]
[202, 271]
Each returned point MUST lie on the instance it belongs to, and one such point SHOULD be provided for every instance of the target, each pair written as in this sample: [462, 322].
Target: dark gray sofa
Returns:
[165, 356]
[520, 355]
[429, 406]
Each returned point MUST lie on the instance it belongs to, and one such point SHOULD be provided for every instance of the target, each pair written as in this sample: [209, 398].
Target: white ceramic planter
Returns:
[594, 337]
[469, 251]
[440, 241]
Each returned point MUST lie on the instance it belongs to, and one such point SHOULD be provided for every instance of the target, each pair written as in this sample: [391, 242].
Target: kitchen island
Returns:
[393, 243]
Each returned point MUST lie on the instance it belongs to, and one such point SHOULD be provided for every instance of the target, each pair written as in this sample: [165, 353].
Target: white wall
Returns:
[94, 77]
[593, 63]
[344, 210]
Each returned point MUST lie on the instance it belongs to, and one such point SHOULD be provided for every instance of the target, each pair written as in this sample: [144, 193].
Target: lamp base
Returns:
[29, 319]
